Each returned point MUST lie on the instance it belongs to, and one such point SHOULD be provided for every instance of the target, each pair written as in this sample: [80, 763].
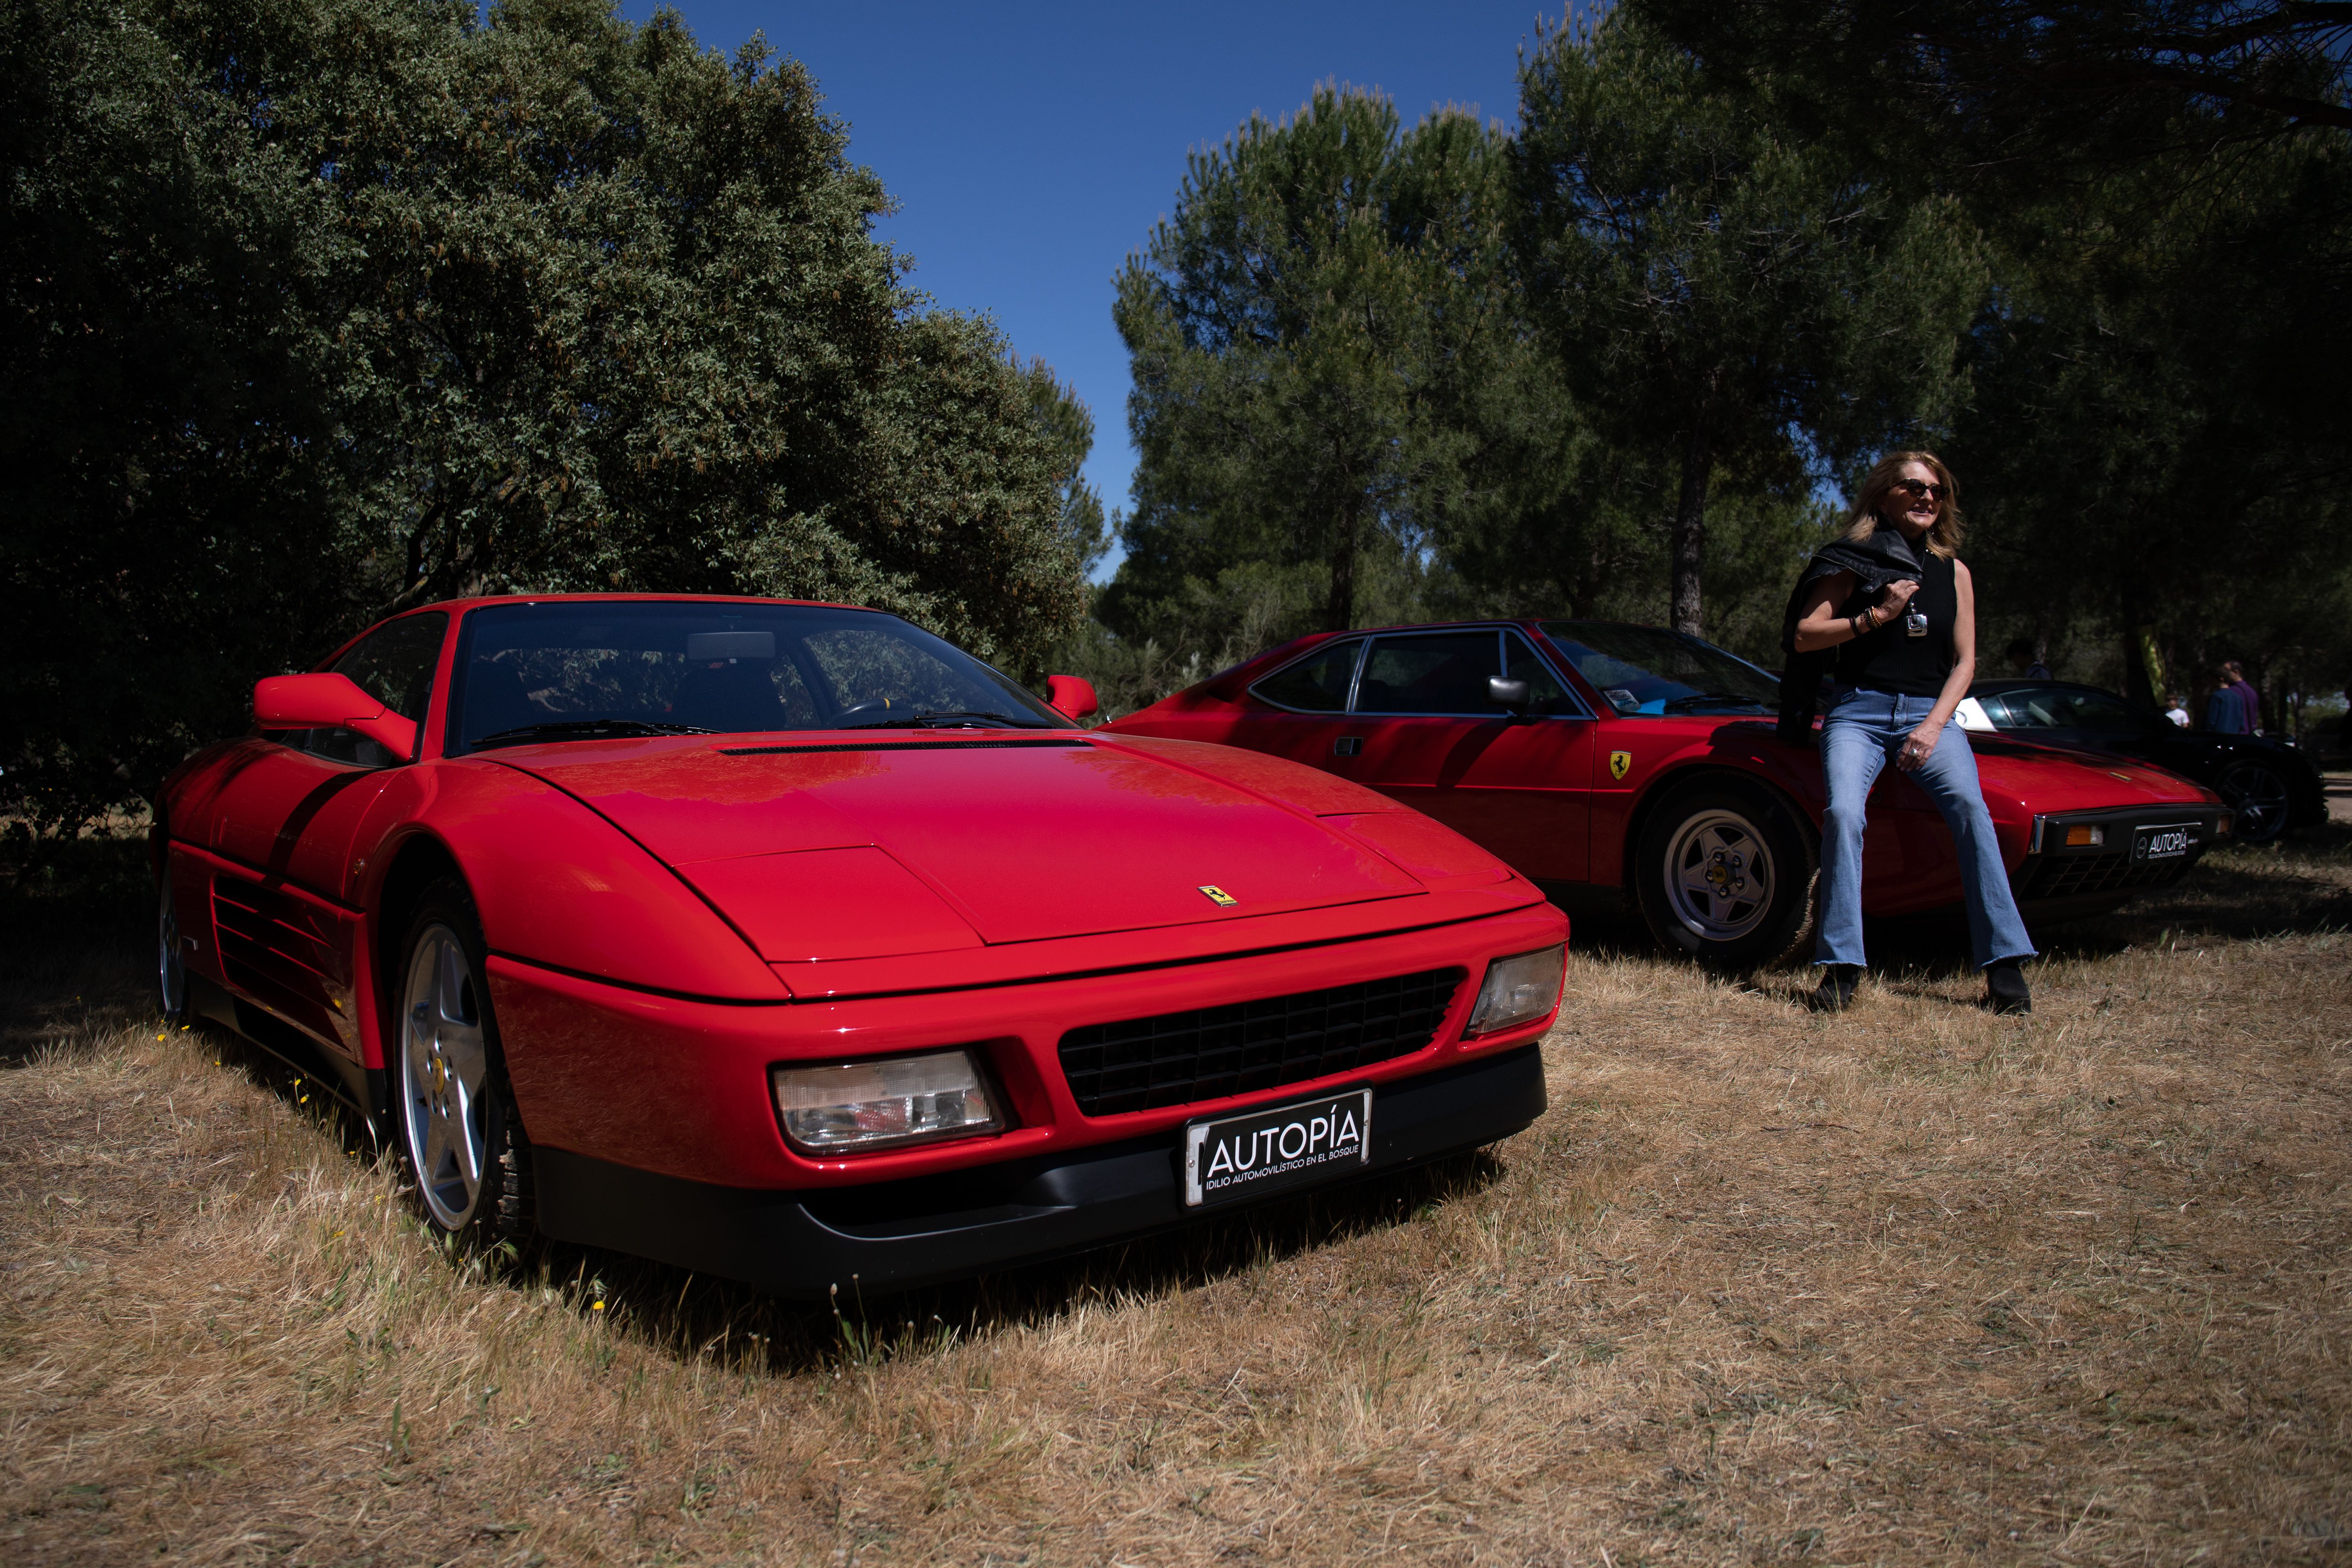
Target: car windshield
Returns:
[1641, 669]
[595, 668]
[2064, 707]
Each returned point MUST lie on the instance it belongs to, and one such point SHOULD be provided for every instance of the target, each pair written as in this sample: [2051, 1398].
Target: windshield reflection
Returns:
[1645, 670]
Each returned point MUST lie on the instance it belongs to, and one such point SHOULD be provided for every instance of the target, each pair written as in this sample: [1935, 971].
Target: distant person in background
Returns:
[2176, 710]
[2021, 660]
[2225, 711]
[2234, 674]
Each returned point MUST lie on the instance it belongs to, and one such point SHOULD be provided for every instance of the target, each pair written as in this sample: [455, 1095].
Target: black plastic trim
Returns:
[899, 1234]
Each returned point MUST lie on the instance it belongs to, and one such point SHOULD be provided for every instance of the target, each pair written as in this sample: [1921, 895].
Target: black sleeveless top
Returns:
[1890, 658]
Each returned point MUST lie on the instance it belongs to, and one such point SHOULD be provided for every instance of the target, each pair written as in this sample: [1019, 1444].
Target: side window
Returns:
[1439, 672]
[1545, 693]
[394, 666]
[1317, 683]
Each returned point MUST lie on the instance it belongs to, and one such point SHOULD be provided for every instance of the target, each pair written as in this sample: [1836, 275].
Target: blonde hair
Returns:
[1944, 537]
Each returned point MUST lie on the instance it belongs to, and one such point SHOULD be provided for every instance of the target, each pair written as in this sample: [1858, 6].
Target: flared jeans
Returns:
[1863, 732]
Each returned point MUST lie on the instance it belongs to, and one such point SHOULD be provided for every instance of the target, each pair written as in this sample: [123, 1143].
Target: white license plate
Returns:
[1263, 1151]
[2163, 843]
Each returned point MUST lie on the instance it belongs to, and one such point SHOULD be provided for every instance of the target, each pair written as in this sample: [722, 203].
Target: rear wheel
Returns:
[2259, 801]
[457, 1124]
[1725, 872]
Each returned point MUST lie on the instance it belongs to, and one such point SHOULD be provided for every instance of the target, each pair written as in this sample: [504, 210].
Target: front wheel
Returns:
[2258, 800]
[171, 958]
[1725, 872]
[457, 1124]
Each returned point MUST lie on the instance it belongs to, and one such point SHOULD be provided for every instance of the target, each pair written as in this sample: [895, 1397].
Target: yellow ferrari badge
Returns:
[1619, 763]
[1218, 896]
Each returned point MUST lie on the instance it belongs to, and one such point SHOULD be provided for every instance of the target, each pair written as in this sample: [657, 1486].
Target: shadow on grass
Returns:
[2300, 885]
[690, 1315]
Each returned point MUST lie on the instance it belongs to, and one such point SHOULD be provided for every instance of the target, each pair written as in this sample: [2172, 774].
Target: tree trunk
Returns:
[2139, 682]
[1339, 608]
[1690, 532]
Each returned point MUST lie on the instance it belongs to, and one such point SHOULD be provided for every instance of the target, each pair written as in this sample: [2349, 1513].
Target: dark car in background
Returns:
[2269, 784]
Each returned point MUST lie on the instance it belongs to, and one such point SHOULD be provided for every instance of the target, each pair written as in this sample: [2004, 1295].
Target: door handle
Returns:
[1347, 746]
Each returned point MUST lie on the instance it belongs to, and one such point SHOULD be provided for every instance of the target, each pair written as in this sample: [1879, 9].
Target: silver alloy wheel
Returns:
[2258, 799]
[1718, 876]
[170, 968]
[445, 1060]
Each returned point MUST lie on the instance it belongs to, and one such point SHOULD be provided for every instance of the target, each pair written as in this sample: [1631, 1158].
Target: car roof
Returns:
[479, 601]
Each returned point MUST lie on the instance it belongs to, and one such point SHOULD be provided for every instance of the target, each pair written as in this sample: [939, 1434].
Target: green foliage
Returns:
[1299, 328]
[2152, 448]
[318, 309]
[1721, 292]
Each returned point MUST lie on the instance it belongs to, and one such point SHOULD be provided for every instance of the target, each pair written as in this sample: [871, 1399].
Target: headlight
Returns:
[1517, 990]
[876, 1104]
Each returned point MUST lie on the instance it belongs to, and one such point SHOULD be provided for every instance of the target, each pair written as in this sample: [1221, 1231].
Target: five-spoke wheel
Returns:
[171, 963]
[1719, 874]
[1723, 871]
[455, 1120]
[444, 1065]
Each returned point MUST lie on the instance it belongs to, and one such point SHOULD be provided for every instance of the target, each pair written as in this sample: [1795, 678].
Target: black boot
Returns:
[2005, 989]
[1835, 992]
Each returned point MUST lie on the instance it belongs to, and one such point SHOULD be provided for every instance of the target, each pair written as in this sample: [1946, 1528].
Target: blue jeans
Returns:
[1863, 731]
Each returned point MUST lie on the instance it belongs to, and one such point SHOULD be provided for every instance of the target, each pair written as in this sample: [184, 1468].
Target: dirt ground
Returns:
[1914, 1284]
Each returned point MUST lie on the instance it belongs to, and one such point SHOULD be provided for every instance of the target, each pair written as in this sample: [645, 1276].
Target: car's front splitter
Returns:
[896, 1234]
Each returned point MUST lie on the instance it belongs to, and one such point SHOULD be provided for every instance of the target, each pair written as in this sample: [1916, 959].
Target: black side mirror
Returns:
[1506, 693]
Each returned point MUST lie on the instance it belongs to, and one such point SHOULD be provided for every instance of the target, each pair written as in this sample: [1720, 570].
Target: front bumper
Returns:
[679, 1086]
[2054, 879]
[897, 1235]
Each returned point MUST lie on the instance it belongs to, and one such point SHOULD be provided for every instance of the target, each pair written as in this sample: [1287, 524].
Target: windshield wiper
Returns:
[950, 720]
[1711, 699]
[584, 729]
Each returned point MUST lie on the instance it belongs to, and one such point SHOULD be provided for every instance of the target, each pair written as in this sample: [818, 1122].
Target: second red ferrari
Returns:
[1596, 757]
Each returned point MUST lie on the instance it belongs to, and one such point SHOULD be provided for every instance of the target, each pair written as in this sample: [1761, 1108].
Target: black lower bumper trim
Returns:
[896, 1234]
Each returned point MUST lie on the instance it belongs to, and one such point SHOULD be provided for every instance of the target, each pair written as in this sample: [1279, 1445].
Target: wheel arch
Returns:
[419, 862]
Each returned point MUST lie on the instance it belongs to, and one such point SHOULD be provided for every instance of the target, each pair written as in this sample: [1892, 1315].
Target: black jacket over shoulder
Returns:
[1883, 558]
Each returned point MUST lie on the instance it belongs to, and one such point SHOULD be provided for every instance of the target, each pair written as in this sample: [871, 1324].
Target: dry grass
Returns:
[1914, 1284]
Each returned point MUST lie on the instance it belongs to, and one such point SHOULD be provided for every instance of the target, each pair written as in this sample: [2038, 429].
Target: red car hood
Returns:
[851, 849]
[2052, 779]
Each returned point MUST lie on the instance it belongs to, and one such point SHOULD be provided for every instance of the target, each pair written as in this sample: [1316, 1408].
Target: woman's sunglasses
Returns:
[1918, 489]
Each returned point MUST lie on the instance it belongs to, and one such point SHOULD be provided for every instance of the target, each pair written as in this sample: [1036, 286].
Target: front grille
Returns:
[2068, 876]
[1211, 1052]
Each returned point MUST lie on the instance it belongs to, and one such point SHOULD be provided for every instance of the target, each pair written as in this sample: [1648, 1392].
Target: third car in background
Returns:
[2269, 786]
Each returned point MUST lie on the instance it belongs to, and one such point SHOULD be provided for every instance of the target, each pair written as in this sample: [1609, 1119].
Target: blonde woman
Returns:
[1901, 624]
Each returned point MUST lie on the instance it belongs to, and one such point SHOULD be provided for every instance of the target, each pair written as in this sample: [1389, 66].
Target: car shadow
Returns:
[2299, 885]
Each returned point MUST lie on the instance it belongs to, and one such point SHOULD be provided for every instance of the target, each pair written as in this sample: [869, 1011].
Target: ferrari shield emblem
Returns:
[1619, 761]
[1218, 896]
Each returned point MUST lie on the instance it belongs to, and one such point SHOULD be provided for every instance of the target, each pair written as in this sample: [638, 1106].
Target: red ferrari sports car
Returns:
[1643, 765]
[788, 942]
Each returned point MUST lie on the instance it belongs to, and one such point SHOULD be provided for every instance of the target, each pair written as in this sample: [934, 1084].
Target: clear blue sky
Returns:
[1030, 148]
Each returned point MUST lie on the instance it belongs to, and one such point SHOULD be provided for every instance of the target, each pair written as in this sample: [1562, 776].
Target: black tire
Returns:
[2261, 800]
[444, 1034]
[1735, 838]
[170, 957]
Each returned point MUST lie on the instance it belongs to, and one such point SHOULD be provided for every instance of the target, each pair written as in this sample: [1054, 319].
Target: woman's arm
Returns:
[1821, 626]
[1922, 740]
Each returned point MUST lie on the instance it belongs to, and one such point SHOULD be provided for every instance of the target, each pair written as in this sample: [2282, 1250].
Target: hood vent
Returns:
[902, 746]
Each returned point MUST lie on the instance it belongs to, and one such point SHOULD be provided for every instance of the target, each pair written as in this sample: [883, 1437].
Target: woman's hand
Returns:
[1898, 594]
[1919, 745]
